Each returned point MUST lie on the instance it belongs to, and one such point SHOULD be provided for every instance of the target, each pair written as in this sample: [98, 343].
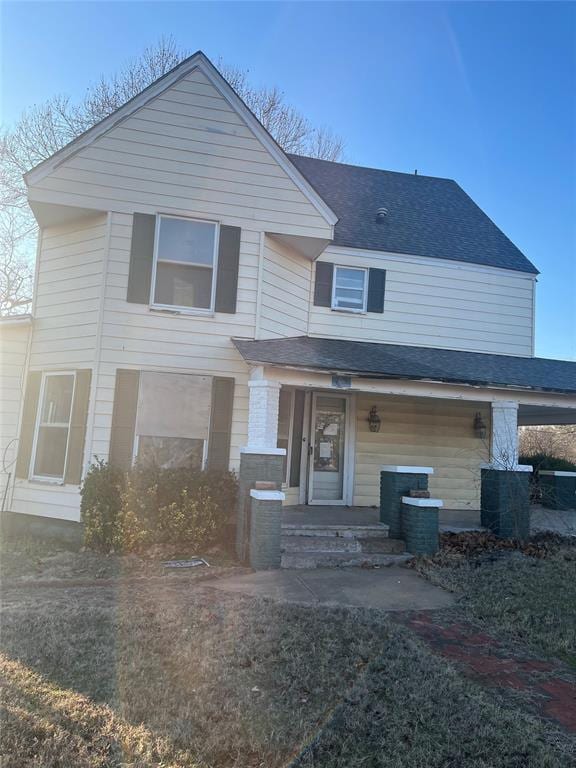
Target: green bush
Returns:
[545, 461]
[101, 504]
[148, 505]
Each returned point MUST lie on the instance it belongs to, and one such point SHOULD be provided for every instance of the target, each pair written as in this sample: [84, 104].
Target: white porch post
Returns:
[263, 416]
[504, 438]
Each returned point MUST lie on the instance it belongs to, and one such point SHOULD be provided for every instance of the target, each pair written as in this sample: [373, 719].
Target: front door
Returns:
[327, 471]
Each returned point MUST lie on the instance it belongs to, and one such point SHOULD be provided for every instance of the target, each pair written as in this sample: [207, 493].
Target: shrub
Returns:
[101, 503]
[149, 506]
[545, 461]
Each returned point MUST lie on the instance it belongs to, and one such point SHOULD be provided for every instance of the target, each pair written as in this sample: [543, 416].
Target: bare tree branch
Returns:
[45, 128]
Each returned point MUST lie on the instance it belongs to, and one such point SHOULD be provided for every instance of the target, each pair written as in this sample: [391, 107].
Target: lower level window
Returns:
[53, 426]
[171, 452]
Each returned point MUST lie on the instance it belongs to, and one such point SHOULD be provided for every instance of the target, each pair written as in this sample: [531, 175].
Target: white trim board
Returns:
[201, 62]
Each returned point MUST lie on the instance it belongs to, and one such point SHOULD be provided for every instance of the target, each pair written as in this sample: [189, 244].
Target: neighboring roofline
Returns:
[199, 61]
[421, 258]
[16, 319]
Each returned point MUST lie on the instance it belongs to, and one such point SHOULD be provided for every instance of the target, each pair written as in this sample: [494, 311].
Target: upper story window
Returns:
[185, 263]
[53, 426]
[349, 289]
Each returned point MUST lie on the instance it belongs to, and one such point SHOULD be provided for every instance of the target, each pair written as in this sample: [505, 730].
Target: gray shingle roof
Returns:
[396, 361]
[427, 216]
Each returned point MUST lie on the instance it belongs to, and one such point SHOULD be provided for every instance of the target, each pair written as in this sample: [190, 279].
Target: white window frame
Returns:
[175, 307]
[42, 478]
[333, 304]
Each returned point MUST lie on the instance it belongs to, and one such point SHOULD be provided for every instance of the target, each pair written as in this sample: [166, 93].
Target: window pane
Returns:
[191, 242]
[350, 278]
[51, 452]
[57, 399]
[171, 452]
[183, 286]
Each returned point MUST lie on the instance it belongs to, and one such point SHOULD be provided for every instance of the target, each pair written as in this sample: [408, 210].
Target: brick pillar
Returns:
[395, 482]
[558, 489]
[420, 525]
[265, 529]
[255, 464]
[505, 501]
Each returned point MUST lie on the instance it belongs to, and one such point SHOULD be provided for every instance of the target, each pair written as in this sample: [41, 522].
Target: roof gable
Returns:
[427, 216]
[200, 62]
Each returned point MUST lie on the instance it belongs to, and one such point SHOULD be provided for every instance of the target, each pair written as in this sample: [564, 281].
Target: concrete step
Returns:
[340, 560]
[386, 546]
[320, 544]
[378, 530]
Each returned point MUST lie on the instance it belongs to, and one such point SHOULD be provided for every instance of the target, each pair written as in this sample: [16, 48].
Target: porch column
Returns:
[263, 414]
[504, 438]
[260, 461]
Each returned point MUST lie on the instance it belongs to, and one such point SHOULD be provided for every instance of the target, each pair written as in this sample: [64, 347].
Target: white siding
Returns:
[422, 432]
[434, 303]
[133, 336]
[285, 292]
[187, 151]
[68, 294]
[13, 347]
[64, 336]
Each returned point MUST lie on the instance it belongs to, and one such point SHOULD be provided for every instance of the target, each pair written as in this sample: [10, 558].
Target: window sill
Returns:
[349, 311]
[180, 312]
[46, 481]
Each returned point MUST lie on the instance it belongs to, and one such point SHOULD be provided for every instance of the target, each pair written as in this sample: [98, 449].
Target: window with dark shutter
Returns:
[376, 288]
[228, 264]
[220, 423]
[141, 258]
[323, 284]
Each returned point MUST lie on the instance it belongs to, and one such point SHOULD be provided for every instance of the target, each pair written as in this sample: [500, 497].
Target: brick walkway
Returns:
[550, 685]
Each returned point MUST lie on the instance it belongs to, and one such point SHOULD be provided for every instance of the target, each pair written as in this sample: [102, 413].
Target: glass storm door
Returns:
[328, 450]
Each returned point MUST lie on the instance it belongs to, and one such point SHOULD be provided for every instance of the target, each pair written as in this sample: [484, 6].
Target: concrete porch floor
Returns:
[461, 520]
[455, 520]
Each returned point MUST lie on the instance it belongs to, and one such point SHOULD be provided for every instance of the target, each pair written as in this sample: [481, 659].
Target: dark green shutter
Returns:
[141, 258]
[77, 435]
[28, 424]
[124, 418]
[220, 423]
[297, 435]
[376, 286]
[228, 263]
[323, 284]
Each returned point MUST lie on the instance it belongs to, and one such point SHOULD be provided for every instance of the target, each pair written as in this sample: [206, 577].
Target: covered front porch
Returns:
[323, 436]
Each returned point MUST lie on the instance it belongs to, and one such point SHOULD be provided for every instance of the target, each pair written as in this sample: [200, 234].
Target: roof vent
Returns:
[381, 215]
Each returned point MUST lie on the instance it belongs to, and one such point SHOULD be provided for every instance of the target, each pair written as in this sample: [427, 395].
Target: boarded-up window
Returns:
[173, 419]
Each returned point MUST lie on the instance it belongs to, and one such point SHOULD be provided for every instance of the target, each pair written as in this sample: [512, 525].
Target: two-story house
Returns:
[199, 293]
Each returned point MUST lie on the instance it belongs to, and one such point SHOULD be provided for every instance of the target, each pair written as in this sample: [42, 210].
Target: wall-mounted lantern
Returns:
[374, 420]
[479, 426]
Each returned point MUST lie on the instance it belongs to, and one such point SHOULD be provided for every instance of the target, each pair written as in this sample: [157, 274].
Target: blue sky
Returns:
[484, 93]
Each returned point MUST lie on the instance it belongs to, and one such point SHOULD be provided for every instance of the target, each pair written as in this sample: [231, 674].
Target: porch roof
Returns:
[361, 358]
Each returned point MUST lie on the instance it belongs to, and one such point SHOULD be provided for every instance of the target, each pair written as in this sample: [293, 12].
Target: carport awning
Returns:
[394, 361]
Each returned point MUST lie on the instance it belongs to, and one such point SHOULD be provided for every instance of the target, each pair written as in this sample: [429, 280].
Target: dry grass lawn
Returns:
[167, 672]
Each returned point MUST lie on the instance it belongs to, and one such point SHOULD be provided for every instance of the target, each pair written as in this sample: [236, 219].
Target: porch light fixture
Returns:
[479, 426]
[374, 420]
